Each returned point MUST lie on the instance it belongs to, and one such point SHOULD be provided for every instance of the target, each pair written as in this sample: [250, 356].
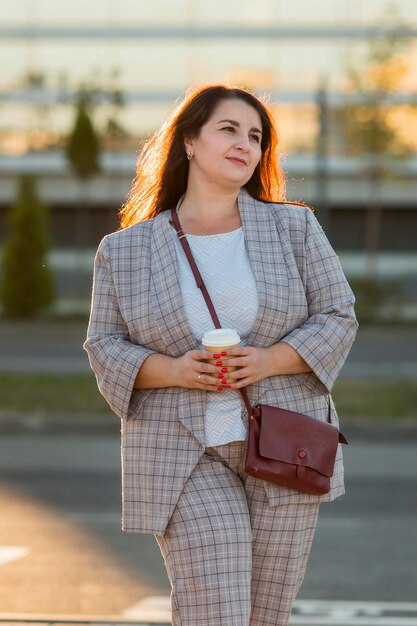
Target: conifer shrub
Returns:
[26, 282]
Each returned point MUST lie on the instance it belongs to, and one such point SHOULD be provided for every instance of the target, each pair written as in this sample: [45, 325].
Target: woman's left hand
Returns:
[254, 364]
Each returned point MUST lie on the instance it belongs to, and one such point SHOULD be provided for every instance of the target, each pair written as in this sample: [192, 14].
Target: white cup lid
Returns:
[221, 337]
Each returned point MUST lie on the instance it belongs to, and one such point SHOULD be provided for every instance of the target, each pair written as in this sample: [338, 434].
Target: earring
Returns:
[189, 155]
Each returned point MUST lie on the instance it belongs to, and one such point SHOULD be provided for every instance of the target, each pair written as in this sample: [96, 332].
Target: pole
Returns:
[322, 199]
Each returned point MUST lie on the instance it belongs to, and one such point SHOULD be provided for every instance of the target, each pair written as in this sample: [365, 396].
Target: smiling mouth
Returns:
[240, 161]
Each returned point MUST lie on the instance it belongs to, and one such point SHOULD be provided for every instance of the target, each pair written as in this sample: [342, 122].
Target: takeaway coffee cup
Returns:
[219, 340]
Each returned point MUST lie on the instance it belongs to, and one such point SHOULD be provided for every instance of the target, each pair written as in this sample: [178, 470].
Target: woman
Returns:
[235, 547]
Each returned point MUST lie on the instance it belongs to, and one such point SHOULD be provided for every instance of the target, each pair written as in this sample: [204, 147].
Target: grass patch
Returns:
[78, 393]
[51, 393]
[376, 399]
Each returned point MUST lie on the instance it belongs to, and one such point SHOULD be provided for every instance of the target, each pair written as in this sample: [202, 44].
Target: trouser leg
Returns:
[281, 541]
[232, 559]
[282, 538]
[207, 549]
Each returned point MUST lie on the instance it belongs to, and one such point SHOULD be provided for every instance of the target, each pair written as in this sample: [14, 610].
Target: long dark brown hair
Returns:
[162, 167]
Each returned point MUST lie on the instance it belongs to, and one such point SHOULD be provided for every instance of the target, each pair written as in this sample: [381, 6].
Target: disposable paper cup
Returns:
[219, 340]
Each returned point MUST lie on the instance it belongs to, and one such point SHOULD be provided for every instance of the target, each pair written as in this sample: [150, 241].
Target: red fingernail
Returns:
[216, 356]
[224, 369]
[223, 354]
[219, 388]
[224, 382]
[219, 363]
[228, 386]
[219, 375]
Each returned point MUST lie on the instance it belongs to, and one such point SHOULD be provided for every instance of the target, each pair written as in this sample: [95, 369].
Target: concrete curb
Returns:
[105, 424]
[380, 430]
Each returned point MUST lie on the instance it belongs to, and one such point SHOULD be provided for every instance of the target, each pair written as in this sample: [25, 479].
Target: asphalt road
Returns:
[62, 549]
[57, 347]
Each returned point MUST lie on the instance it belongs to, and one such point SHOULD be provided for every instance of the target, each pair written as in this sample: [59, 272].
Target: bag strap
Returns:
[200, 284]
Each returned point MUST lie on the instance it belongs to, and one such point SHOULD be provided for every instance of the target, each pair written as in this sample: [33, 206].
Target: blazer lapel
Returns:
[168, 309]
[166, 293]
[266, 255]
[267, 261]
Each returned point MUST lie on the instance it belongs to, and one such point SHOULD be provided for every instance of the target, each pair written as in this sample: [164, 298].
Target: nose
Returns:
[243, 144]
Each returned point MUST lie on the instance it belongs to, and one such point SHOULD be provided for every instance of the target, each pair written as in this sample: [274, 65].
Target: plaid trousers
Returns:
[233, 559]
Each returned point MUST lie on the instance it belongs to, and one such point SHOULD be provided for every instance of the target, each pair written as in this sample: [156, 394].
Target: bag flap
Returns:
[297, 439]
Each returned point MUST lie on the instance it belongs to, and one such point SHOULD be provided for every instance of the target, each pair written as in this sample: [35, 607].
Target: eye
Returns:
[256, 137]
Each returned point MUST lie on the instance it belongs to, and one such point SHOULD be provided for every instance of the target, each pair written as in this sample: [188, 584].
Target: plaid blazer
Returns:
[137, 309]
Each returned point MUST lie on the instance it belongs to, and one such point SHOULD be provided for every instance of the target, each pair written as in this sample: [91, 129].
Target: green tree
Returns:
[27, 285]
[83, 147]
[370, 129]
[83, 153]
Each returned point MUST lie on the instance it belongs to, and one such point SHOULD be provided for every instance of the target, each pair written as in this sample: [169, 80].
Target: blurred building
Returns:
[148, 53]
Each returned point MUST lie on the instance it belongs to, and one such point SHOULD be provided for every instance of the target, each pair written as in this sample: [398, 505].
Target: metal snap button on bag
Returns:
[284, 447]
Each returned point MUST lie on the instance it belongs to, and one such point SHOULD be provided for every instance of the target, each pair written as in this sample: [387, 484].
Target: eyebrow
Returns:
[253, 129]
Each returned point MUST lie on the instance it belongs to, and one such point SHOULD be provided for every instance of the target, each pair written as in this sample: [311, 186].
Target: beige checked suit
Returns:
[137, 309]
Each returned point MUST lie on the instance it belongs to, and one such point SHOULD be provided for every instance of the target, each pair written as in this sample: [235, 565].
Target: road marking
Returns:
[353, 613]
[305, 613]
[356, 605]
[153, 608]
[12, 553]
[310, 620]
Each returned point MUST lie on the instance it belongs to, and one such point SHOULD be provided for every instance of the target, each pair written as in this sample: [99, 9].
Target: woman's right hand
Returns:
[193, 372]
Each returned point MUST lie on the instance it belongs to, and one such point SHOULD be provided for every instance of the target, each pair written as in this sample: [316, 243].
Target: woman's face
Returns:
[228, 147]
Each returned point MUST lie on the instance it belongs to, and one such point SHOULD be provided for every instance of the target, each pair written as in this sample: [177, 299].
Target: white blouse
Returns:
[224, 264]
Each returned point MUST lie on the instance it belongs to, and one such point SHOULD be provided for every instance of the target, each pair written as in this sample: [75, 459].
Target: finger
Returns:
[235, 362]
[201, 355]
[223, 377]
[209, 368]
[207, 381]
[213, 368]
[214, 385]
[240, 351]
[243, 382]
[235, 375]
[217, 379]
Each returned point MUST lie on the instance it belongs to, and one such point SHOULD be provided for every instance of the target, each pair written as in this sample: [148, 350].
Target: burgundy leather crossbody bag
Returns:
[284, 447]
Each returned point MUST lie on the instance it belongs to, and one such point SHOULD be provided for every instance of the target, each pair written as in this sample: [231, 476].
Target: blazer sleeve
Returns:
[325, 338]
[114, 359]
